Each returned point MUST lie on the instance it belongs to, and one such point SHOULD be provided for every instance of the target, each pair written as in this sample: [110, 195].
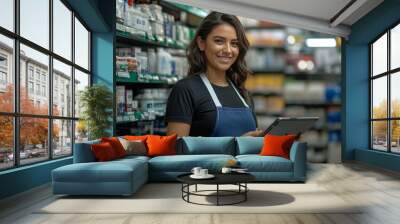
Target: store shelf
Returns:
[301, 76]
[133, 80]
[186, 8]
[266, 113]
[139, 40]
[261, 46]
[317, 76]
[264, 93]
[312, 104]
[275, 27]
[135, 117]
[267, 72]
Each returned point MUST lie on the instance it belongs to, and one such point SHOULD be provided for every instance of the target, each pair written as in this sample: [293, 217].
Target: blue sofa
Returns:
[125, 176]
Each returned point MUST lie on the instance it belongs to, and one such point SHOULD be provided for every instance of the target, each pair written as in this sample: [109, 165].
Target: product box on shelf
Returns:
[120, 98]
[129, 99]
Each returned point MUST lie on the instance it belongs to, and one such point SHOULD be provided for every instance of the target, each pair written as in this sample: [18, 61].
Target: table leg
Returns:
[188, 190]
[217, 194]
[196, 188]
[245, 191]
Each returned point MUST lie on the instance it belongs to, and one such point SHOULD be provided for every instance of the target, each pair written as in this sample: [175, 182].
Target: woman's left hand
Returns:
[255, 133]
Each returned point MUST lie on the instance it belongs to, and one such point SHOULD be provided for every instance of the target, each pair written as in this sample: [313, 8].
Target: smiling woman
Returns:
[212, 100]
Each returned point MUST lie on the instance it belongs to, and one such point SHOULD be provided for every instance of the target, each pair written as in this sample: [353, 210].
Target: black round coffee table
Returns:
[238, 179]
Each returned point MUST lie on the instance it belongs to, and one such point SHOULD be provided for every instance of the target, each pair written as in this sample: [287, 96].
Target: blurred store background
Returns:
[296, 72]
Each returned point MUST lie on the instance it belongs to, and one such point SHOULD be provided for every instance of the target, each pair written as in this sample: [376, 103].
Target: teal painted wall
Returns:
[99, 16]
[356, 86]
[103, 53]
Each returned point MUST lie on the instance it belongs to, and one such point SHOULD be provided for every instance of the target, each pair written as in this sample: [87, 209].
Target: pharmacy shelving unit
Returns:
[137, 122]
[272, 102]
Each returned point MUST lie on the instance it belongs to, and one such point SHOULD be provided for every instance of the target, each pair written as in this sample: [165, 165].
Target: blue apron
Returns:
[230, 121]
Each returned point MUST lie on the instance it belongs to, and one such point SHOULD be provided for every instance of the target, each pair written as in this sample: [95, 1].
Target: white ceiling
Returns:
[315, 15]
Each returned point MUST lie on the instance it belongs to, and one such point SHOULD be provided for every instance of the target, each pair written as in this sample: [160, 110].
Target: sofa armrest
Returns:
[298, 155]
[83, 152]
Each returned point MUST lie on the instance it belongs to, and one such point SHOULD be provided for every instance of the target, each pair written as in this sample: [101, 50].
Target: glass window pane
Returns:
[6, 74]
[379, 135]
[62, 138]
[379, 55]
[6, 142]
[35, 21]
[395, 94]
[81, 131]
[62, 29]
[395, 47]
[62, 89]
[81, 81]
[33, 139]
[81, 45]
[395, 136]
[379, 97]
[7, 14]
[34, 78]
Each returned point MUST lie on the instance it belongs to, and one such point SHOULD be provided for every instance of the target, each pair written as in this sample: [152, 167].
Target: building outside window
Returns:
[30, 72]
[3, 78]
[30, 87]
[43, 78]
[37, 75]
[385, 93]
[3, 72]
[34, 72]
[43, 90]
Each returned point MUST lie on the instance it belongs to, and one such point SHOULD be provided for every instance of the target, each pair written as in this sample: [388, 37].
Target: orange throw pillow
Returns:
[116, 145]
[275, 145]
[161, 145]
[103, 151]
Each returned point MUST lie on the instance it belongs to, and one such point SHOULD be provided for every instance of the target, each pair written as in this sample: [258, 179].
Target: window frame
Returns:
[388, 74]
[16, 114]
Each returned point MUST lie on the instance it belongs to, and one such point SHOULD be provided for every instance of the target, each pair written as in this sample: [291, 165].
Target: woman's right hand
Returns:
[255, 133]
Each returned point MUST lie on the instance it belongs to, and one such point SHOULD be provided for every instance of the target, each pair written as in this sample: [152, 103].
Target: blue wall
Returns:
[103, 52]
[99, 16]
[356, 86]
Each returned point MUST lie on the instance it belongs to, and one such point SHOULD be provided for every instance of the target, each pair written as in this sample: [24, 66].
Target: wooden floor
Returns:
[378, 188]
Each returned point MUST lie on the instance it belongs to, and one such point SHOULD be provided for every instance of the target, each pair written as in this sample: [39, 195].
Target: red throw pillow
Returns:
[161, 145]
[103, 151]
[116, 145]
[275, 145]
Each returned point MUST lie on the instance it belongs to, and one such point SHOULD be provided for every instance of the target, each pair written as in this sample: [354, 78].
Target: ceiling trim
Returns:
[346, 12]
[271, 15]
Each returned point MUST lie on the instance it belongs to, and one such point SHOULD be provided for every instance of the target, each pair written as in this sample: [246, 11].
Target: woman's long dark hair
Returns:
[197, 62]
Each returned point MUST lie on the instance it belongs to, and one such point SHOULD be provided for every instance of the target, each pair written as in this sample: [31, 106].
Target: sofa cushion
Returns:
[185, 163]
[132, 158]
[206, 145]
[112, 171]
[257, 163]
[249, 145]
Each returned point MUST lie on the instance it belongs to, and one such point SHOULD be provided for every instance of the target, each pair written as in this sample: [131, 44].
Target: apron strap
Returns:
[212, 92]
[237, 92]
